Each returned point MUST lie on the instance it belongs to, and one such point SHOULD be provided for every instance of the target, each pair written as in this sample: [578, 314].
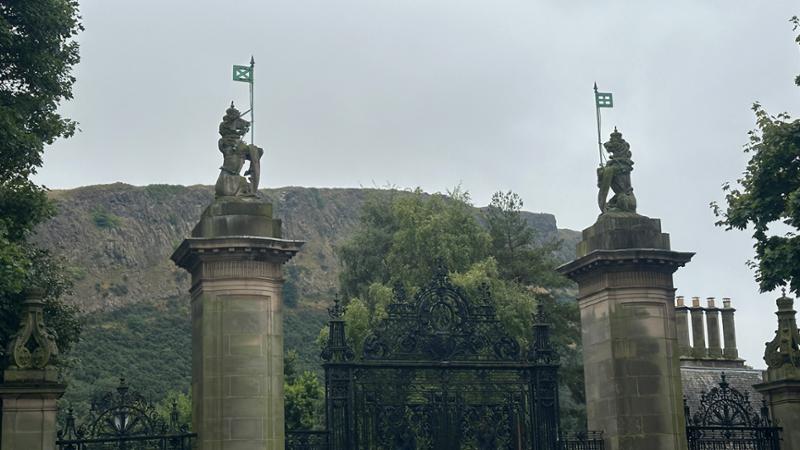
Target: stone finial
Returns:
[33, 344]
[782, 354]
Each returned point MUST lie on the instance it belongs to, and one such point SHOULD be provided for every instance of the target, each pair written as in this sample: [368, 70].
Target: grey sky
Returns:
[493, 95]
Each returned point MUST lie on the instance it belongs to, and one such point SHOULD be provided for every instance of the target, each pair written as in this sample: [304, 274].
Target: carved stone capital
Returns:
[234, 257]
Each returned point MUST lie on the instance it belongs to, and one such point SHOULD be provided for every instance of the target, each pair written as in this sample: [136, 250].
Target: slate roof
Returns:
[698, 380]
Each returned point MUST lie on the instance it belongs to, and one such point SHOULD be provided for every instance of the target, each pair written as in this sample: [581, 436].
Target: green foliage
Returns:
[768, 195]
[182, 403]
[104, 219]
[148, 343]
[401, 239]
[37, 52]
[303, 396]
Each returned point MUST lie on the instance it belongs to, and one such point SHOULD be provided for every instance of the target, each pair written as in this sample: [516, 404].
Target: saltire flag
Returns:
[243, 73]
[604, 99]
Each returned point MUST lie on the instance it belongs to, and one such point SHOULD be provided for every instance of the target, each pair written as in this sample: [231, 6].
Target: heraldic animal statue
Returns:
[235, 152]
[616, 175]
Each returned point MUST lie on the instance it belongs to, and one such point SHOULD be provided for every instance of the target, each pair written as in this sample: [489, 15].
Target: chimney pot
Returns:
[680, 301]
[726, 302]
[695, 302]
[711, 302]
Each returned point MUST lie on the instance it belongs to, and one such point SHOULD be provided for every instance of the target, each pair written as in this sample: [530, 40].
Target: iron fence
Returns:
[306, 440]
[586, 440]
[124, 420]
[733, 438]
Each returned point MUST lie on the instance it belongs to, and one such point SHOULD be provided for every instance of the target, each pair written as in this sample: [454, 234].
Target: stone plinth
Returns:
[237, 328]
[630, 347]
[29, 409]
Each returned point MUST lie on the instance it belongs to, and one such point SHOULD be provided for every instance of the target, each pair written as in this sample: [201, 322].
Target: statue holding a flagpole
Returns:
[614, 174]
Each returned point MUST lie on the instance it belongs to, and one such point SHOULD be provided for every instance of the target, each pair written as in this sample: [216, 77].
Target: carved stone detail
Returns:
[782, 354]
[239, 269]
[33, 344]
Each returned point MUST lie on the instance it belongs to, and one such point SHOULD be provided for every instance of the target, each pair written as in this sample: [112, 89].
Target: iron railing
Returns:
[733, 438]
[584, 440]
[183, 441]
[306, 440]
[124, 420]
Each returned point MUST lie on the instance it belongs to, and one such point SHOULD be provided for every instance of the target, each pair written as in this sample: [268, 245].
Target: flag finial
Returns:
[252, 61]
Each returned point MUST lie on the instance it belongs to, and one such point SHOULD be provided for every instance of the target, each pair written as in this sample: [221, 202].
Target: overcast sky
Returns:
[494, 95]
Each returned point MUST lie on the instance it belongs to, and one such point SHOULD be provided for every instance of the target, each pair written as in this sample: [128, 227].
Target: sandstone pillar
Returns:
[682, 327]
[624, 270]
[782, 379]
[30, 385]
[235, 256]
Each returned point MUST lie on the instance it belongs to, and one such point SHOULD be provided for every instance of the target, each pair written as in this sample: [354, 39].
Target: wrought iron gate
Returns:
[441, 373]
[727, 421]
[125, 420]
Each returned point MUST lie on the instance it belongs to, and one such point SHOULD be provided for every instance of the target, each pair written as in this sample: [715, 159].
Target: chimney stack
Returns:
[699, 349]
[729, 330]
[712, 325]
[682, 327]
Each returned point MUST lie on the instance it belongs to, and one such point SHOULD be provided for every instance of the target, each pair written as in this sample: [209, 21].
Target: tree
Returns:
[303, 396]
[768, 195]
[37, 53]
[513, 244]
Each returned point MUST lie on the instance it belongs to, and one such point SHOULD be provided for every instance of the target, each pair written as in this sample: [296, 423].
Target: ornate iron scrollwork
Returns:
[440, 372]
[726, 406]
[727, 420]
[120, 418]
[439, 323]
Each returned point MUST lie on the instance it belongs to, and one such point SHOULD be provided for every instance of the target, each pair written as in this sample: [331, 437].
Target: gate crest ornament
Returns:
[439, 323]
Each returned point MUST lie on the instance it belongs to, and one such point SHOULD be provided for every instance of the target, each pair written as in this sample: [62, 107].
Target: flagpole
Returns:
[252, 81]
[599, 138]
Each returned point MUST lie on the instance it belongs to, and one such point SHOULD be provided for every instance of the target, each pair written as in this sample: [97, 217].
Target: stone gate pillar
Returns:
[31, 386]
[630, 347]
[235, 256]
[237, 326]
[624, 270]
[782, 379]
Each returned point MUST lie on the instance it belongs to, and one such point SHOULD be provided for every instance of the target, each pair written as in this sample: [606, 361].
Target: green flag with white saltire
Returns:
[243, 73]
[604, 99]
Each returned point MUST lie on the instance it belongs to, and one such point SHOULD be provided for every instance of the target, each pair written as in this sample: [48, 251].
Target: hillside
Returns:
[117, 239]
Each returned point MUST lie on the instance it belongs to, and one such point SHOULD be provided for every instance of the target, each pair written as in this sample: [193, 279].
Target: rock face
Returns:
[117, 238]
